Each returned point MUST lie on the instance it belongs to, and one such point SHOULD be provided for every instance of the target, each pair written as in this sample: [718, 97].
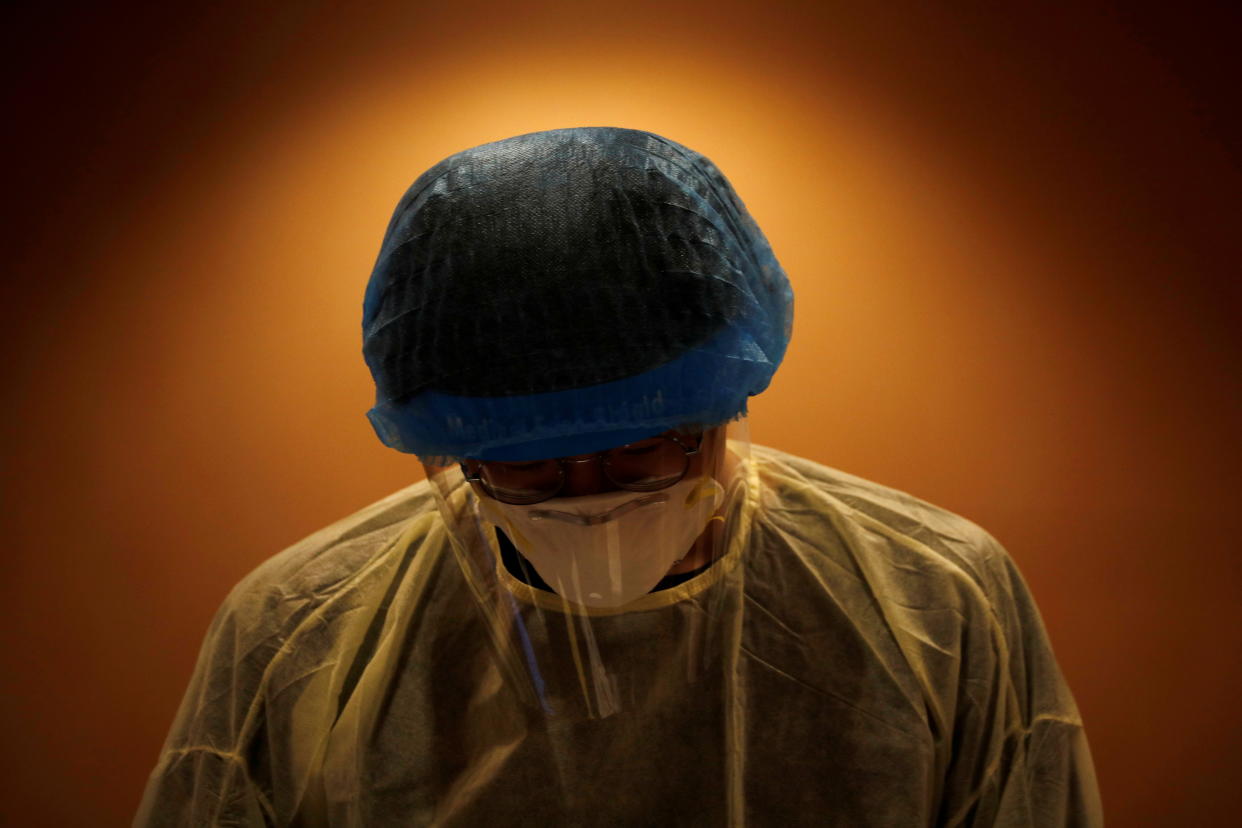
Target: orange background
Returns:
[1013, 235]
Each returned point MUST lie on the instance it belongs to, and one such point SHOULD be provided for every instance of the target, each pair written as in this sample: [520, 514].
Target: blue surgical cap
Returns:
[568, 291]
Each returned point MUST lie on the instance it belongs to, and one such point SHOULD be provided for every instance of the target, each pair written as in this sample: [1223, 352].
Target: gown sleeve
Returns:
[203, 777]
[1020, 754]
[274, 669]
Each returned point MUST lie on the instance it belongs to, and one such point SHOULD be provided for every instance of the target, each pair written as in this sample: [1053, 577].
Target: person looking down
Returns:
[604, 605]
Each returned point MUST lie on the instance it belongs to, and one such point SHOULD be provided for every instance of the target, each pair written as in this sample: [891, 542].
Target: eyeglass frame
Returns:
[602, 457]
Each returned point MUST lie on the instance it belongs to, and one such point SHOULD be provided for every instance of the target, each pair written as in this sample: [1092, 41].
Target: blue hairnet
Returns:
[568, 291]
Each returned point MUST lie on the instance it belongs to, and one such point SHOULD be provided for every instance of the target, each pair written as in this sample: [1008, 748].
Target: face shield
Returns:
[615, 599]
[565, 327]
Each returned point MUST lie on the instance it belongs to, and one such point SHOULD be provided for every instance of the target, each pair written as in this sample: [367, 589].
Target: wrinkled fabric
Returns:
[880, 663]
[567, 291]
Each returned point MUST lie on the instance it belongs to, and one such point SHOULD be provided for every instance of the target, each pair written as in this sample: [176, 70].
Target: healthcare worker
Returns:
[604, 607]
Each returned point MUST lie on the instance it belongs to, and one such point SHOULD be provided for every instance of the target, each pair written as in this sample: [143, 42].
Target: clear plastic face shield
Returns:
[608, 581]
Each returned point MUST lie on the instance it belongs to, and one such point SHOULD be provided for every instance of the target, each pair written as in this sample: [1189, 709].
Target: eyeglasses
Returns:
[646, 466]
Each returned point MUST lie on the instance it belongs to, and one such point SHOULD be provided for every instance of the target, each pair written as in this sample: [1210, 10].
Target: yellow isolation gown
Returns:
[855, 657]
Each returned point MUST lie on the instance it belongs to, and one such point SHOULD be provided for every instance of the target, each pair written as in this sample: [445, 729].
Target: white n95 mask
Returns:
[605, 550]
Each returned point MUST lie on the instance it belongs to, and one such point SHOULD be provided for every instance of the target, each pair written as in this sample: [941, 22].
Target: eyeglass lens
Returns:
[522, 482]
[647, 465]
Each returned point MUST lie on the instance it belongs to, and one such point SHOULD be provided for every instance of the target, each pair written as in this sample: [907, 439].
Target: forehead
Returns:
[687, 437]
[674, 434]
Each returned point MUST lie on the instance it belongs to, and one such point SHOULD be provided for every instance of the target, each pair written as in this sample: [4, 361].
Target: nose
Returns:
[584, 475]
